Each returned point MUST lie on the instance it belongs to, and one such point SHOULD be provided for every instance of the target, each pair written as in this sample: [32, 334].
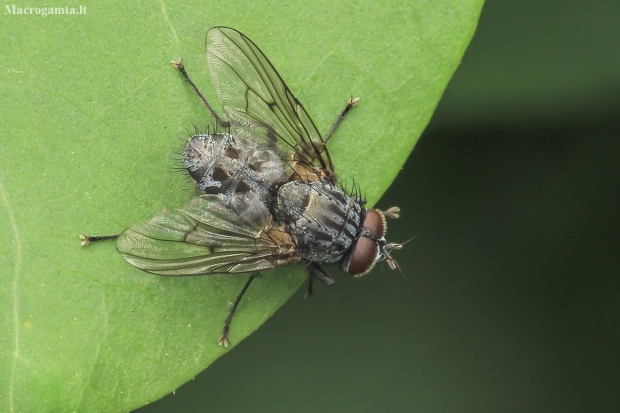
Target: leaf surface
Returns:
[92, 121]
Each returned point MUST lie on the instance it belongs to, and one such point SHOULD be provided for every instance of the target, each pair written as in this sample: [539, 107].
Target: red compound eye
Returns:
[366, 250]
[364, 257]
[375, 223]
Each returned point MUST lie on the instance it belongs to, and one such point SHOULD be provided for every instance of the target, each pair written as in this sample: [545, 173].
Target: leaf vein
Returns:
[165, 13]
[106, 329]
[18, 260]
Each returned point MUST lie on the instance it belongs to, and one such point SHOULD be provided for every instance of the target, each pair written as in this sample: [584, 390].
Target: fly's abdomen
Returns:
[223, 164]
[322, 219]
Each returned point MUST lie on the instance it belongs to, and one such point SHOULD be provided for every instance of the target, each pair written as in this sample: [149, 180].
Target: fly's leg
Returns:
[220, 121]
[309, 291]
[318, 272]
[315, 270]
[88, 239]
[223, 339]
[350, 103]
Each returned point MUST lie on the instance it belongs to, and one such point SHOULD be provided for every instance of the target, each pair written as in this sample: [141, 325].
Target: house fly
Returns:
[269, 192]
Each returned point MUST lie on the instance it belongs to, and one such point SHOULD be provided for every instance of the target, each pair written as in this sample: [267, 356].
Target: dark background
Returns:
[510, 299]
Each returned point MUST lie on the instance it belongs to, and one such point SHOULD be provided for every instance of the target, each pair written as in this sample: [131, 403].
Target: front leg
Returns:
[218, 119]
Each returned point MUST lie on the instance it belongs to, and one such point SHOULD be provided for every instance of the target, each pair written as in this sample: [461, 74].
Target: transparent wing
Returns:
[259, 105]
[212, 234]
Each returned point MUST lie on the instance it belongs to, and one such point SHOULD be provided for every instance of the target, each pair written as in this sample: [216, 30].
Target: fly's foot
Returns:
[85, 240]
[178, 64]
[353, 101]
[223, 340]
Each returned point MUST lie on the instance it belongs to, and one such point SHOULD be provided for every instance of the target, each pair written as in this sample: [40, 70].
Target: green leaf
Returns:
[93, 117]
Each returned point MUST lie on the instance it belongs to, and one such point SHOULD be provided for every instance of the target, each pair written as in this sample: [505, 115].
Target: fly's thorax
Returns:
[220, 163]
[322, 219]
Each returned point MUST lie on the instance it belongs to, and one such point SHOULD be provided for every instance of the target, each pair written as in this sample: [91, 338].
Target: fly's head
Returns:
[371, 247]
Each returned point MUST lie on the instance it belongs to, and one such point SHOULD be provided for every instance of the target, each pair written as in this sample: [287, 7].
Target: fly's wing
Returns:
[212, 234]
[259, 105]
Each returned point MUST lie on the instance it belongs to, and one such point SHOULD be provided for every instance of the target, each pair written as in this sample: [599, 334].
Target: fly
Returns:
[270, 196]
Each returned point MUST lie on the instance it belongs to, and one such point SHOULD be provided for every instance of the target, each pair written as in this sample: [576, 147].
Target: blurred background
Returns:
[509, 297]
